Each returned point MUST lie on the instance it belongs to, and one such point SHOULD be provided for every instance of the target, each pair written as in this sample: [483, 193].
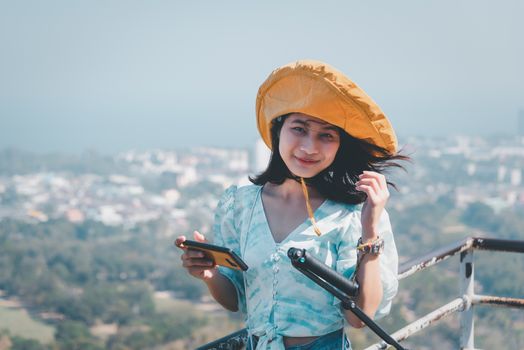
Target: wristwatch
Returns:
[374, 247]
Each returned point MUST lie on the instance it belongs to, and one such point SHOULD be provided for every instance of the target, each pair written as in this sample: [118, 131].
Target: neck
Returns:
[291, 189]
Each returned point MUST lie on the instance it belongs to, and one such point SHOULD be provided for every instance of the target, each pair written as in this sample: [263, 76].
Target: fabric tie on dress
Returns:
[269, 339]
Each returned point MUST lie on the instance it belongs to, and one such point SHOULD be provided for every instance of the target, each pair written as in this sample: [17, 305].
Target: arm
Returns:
[370, 291]
[369, 274]
[225, 285]
[198, 266]
[223, 291]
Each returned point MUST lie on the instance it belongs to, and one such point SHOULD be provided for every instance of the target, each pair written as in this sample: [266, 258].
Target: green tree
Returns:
[26, 344]
[72, 335]
[479, 215]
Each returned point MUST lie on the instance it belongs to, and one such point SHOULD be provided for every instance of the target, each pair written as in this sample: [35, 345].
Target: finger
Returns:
[197, 270]
[202, 263]
[193, 253]
[372, 174]
[380, 192]
[180, 241]
[370, 182]
[199, 237]
[378, 176]
[367, 173]
[189, 259]
[368, 190]
[382, 182]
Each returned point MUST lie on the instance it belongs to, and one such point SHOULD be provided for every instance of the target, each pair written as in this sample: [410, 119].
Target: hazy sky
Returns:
[116, 75]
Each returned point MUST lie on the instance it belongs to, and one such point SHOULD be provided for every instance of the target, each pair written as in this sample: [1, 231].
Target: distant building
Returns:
[74, 215]
[471, 169]
[501, 173]
[516, 177]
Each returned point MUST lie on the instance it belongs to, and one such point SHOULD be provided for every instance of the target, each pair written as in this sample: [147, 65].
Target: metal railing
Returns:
[464, 303]
[467, 299]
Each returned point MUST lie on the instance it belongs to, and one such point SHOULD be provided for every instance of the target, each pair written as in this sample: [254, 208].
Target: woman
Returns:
[323, 191]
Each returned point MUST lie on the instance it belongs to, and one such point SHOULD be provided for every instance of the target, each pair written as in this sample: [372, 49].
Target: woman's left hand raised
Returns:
[376, 188]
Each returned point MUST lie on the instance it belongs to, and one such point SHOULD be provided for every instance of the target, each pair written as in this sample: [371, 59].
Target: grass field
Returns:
[166, 303]
[19, 322]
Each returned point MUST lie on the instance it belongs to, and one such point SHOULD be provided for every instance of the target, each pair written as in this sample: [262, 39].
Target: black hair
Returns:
[336, 182]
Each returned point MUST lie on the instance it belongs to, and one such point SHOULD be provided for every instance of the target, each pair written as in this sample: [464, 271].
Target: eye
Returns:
[298, 130]
[327, 137]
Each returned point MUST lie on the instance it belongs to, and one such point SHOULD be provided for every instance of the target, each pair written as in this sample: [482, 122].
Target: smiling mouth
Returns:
[307, 161]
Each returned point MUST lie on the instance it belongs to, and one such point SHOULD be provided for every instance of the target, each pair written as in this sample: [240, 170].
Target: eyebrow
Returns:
[325, 126]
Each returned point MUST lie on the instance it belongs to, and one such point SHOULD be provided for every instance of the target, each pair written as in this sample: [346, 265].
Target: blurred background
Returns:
[122, 122]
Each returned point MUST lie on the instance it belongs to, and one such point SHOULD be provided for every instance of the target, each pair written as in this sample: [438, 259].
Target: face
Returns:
[307, 144]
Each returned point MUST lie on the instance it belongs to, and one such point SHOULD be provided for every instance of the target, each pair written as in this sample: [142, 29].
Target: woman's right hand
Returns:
[195, 261]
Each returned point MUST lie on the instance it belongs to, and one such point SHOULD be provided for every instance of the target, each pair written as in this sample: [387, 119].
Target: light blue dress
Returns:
[276, 299]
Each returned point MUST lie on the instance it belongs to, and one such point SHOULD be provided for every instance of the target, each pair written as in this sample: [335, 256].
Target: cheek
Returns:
[284, 146]
[281, 148]
[331, 151]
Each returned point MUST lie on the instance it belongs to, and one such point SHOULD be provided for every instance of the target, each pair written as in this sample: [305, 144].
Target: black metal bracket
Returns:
[299, 262]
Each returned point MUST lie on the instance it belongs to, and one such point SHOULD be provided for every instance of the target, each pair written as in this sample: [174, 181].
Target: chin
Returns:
[304, 174]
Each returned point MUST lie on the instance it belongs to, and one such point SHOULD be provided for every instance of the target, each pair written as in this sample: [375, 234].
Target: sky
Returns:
[117, 75]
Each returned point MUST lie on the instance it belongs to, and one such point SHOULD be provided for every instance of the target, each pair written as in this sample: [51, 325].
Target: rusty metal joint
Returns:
[467, 302]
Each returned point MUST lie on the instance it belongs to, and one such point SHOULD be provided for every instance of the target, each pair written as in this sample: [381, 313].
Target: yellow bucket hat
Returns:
[317, 89]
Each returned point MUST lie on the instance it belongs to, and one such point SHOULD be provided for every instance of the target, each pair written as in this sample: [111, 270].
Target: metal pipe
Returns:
[467, 281]
[498, 301]
[434, 257]
[423, 322]
[501, 245]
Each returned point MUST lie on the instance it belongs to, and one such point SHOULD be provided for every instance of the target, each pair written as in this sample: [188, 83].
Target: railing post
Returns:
[467, 281]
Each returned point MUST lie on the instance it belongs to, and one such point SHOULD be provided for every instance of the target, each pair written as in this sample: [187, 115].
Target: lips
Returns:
[307, 161]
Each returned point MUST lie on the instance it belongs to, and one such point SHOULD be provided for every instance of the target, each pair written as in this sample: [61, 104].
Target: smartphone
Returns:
[221, 256]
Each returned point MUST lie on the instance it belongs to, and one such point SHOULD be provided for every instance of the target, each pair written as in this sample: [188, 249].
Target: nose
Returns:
[308, 145]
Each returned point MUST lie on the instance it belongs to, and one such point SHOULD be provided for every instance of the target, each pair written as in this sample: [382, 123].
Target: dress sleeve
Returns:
[226, 234]
[347, 258]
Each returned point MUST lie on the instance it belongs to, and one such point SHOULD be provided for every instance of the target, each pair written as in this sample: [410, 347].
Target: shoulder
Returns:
[346, 210]
[355, 210]
[247, 190]
[240, 192]
[237, 196]
[349, 216]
